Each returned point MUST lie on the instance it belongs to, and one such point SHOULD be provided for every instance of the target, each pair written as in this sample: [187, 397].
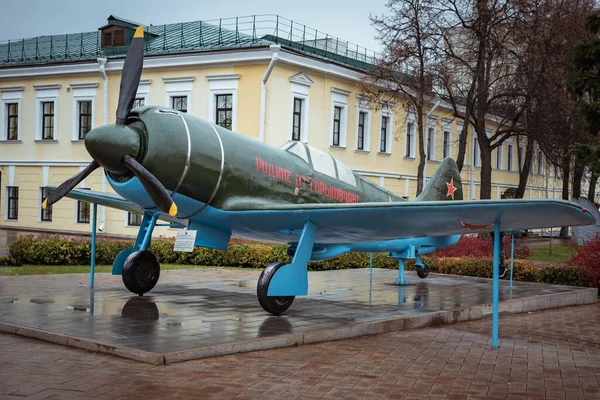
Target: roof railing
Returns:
[222, 33]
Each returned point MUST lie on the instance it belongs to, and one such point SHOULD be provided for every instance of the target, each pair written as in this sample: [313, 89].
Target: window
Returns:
[12, 204]
[134, 219]
[430, 143]
[12, 121]
[224, 110]
[337, 121]
[45, 213]
[47, 120]
[521, 157]
[446, 144]
[113, 38]
[360, 140]
[499, 157]
[475, 154]
[297, 119]
[509, 156]
[85, 118]
[383, 144]
[179, 103]
[139, 102]
[410, 135]
[83, 211]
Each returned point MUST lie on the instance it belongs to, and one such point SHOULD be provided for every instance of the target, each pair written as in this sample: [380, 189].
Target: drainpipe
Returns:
[435, 106]
[102, 63]
[263, 91]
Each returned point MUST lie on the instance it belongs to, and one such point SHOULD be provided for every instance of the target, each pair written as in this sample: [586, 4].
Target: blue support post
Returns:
[401, 280]
[370, 263]
[93, 257]
[512, 256]
[495, 288]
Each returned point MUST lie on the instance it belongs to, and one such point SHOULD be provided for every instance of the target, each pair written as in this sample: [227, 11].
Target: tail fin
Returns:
[445, 183]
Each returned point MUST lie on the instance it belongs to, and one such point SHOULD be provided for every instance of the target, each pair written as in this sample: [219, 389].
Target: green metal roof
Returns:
[190, 37]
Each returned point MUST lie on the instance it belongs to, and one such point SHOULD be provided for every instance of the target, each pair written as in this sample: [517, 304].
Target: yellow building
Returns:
[265, 77]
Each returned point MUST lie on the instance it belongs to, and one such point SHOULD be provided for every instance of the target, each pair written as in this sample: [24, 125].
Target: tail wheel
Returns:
[141, 272]
[422, 271]
[272, 304]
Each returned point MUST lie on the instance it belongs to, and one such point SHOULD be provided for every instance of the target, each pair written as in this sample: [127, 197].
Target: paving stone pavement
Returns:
[553, 354]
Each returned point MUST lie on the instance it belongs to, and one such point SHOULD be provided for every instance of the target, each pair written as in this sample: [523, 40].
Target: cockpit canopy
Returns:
[321, 161]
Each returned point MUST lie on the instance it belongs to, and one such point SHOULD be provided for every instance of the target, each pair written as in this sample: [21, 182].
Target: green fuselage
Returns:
[228, 170]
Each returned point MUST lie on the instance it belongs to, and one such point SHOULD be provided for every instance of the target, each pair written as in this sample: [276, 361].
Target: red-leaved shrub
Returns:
[588, 259]
[475, 247]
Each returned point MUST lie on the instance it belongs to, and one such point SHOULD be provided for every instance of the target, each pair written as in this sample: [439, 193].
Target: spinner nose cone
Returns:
[109, 143]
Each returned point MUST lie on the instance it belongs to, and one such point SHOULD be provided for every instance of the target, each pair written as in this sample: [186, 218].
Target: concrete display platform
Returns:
[207, 312]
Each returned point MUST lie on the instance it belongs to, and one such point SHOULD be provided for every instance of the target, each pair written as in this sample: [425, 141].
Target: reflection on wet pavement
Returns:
[197, 308]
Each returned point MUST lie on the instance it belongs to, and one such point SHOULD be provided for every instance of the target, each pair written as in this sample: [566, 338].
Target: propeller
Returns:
[96, 140]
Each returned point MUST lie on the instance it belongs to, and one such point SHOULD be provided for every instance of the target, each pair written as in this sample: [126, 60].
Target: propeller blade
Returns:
[130, 78]
[154, 188]
[69, 184]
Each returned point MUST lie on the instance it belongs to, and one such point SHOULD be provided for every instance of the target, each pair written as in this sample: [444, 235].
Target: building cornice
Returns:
[35, 163]
[179, 79]
[47, 87]
[12, 89]
[84, 85]
[223, 77]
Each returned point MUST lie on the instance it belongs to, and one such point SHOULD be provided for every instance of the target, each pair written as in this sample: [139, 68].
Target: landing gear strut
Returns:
[272, 304]
[141, 272]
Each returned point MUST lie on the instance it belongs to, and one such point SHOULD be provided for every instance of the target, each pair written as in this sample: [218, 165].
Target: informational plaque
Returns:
[185, 241]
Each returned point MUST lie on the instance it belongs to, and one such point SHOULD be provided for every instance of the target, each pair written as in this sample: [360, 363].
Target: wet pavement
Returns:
[553, 354]
[206, 312]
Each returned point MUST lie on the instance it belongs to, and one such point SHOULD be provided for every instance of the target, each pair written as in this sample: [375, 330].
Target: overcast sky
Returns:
[346, 19]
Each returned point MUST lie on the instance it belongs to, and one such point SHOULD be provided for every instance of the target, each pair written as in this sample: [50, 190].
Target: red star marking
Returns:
[472, 227]
[451, 188]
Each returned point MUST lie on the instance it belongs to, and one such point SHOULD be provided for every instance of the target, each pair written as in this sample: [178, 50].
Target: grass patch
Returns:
[84, 269]
[559, 253]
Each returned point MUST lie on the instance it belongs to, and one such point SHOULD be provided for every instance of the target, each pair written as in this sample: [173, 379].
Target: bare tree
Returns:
[405, 70]
[481, 54]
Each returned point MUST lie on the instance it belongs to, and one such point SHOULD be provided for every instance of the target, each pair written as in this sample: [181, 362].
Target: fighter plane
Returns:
[191, 173]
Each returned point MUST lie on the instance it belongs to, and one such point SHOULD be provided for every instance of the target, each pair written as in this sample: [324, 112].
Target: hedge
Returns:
[60, 250]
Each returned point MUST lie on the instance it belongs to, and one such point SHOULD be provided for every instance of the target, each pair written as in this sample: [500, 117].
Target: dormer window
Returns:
[113, 37]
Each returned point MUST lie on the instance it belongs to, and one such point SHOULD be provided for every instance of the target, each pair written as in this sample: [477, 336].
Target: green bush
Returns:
[60, 250]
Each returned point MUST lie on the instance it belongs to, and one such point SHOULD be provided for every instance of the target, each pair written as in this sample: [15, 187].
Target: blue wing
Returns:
[116, 201]
[345, 223]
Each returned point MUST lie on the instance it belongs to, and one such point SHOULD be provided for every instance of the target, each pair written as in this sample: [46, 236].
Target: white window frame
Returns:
[40, 199]
[126, 223]
[432, 124]
[540, 170]
[510, 150]
[475, 150]
[500, 157]
[411, 124]
[179, 87]
[222, 84]
[46, 93]
[339, 98]
[82, 92]
[386, 111]
[363, 106]
[447, 127]
[299, 90]
[143, 91]
[10, 95]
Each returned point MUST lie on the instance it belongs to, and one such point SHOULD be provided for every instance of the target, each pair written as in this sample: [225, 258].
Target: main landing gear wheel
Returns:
[422, 271]
[141, 272]
[271, 304]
